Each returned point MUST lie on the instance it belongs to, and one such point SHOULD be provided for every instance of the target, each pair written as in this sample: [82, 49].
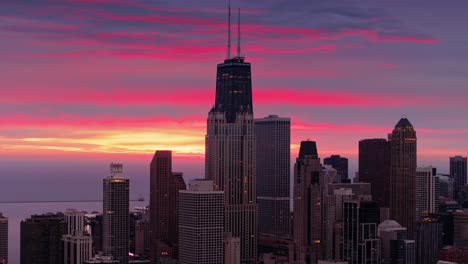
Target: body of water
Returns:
[16, 212]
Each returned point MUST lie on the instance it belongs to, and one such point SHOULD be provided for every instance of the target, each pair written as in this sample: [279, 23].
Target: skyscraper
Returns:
[3, 239]
[307, 208]
[201, 224]
[460, 228]
[340, 164]
[427, 191]
[458, 171]
[429, 239]
[78, 246]
[403, 175]
[230, 151]
[374, 168]
[116, 214]
[389, 231]
[41, 239]
[164, 195]
[273, 136]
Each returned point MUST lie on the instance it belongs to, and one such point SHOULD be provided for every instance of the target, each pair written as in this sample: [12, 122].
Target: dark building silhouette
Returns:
[340, 164]
[3, 239]
[402, 251]
[273, 137]
[95, 224]
[403, 175]
[164, 195]
[429, 239]
[374, 168]
[41, 239]
[115, 225]
[458, 171]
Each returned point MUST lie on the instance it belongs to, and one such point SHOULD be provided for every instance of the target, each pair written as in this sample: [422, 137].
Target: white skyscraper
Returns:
[427, 191]
[77, 245]
[201, 224]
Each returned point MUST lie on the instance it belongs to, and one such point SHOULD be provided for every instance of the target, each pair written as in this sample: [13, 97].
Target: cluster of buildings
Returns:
[240, 212]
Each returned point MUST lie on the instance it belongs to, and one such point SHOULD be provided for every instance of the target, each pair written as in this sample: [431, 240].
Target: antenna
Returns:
[229, 31]
[238, 35]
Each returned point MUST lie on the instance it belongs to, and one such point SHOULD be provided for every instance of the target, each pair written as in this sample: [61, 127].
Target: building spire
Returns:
[238, 35]
[229, 32]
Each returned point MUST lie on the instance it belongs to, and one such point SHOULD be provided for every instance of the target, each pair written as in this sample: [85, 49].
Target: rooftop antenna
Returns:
[229, 31]
[238, 35]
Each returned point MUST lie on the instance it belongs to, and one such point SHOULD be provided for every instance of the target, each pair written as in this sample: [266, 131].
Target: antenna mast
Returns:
[238, 35]
[229, 31]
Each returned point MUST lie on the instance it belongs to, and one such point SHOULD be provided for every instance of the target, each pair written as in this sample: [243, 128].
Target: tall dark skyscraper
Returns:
[41, 239]
[3, 239]
[164, 195]
[429, 239]
[403, 175]
[273, 136]
[458, 171]
[374, 168]
[116, 214]
[230, 151]
[340, 164]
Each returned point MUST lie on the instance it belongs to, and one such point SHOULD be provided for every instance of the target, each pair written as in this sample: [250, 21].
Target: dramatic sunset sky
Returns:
[87, 82]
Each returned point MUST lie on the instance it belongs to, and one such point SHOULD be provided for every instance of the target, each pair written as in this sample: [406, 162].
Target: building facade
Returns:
[164, 195]
[201, 224]
[403, 175]
[460, 228]
[3, 239]
[78, 246]
[340, 164]
[116, 214]
[427, 191]
[429, 239]
[374, 168]
[273, 141]
[41, 239]
[458, 172]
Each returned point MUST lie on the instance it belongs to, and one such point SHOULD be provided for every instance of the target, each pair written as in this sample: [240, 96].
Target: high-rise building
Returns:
[78, 247]
[201, 224]
[116, 214]
[3, 239]
[402, 252]
[374, 168]
[340, 164]
[143, 234]
[360, 241]
[164, 196]
[460, 228]
[388, 231]
[273, 137]
[232, 249]
[403, 175]
[94, 224]
[307, 207]
[427, 191]
[458, 171]
[230, 151]
[446, 186]
[429, 239]
[41, 239]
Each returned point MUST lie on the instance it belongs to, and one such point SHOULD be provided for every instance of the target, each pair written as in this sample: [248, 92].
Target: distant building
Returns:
[374, 168]
[446, 186]
[403, 175]
[427, 191]
[201, 224]
[232, 249]
[451, 254]
[340, 164]
[273, 141]
[116, 214]
[164, 195]
[78, 247]
[389, 231]
[101, 259]
[429, 239]
[41, 239]
[3, 239]
[460, 225]
[332, 262]
[402, 252]
[458, 171]
[94, 226]
[143, 235]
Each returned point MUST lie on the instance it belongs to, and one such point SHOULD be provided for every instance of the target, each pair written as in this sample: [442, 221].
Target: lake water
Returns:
[18, 212]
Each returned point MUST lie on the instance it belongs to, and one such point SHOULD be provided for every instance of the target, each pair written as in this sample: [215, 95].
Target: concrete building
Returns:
[164, 195]
[41, 239]
[78, 247]
[273, 143]
[427, 191]
[3, 239]
[458, 171]
[201, 224]
[340, 164]
[389, 231]
[116, 214]
[428, 239]
[374, 168]
[460, 225]
[403, 175]
[232, 249]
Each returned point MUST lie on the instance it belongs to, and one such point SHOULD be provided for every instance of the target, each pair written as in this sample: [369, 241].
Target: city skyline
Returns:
[114, 91]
